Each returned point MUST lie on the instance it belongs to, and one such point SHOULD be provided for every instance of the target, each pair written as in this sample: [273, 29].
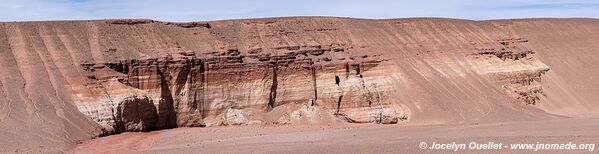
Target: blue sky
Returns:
[198, 10]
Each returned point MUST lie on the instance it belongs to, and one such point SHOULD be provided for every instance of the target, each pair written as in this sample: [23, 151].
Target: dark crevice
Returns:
[314, 84]
[337, 80]
[346, 70]
[363, 84]
[358, 71]
[119, 67]
[273, 88]
[339, 103]
[380, 120]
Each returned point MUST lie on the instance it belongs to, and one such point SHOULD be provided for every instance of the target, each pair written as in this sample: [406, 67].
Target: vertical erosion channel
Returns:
[314, 84]
[273, 88]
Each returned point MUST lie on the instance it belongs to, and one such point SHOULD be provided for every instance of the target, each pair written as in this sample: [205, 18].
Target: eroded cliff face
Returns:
[342, 81]
[512, 64]
[182, 90]
[66, 81]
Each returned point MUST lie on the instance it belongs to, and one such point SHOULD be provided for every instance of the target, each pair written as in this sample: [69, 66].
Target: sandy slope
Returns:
[569, 48]
[433, 78]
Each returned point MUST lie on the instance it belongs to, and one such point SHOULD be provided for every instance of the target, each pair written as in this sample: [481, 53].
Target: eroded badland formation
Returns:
[63, 82]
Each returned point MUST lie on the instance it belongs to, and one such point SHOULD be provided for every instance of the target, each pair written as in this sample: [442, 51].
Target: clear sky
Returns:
[200, 10]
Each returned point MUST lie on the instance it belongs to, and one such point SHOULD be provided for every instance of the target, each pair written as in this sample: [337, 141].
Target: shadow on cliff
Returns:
[167, 117]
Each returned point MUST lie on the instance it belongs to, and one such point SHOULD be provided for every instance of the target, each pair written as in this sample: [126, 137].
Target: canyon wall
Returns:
[67, 81]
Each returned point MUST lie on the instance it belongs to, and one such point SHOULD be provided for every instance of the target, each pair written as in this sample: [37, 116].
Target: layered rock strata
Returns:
[182, 90]
[512, 65]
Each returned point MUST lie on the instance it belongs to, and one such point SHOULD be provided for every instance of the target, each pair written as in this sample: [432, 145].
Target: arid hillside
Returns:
[63, 82]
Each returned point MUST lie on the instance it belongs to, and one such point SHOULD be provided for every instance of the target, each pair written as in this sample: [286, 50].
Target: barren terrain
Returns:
[349, 138]
[305, 83]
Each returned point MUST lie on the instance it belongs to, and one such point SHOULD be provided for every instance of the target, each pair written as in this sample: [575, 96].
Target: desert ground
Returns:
[351, 138]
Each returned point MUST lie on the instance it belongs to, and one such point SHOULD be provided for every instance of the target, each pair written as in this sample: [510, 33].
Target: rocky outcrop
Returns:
[512, 65]
[188, 91]
[135, 114]
[191, 24]
[129, 21]
[227, 85]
